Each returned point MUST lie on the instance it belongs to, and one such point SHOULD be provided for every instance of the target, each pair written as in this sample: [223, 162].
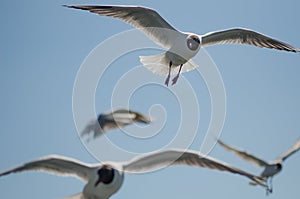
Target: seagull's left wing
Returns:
[92, 126]
[291, 151]
[55, 164]
[245, 36]
[179, 157]
[142, 18]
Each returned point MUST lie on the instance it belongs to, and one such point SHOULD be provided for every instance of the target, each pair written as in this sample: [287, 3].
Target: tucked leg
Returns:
[169, 74]
[174, 80]
[270, 186]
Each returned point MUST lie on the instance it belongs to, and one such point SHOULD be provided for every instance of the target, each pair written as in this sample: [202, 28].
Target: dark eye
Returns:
[193, 42]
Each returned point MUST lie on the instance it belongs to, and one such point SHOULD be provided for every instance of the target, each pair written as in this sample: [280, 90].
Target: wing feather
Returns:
[244, 155]
[179, 157]
[56, 165]
[142, 18]
[245, 36]
[291, 151]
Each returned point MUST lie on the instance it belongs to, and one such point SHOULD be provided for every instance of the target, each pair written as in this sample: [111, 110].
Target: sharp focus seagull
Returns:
[103, 180]
[113, 120]
[271, 168]
[182, 46]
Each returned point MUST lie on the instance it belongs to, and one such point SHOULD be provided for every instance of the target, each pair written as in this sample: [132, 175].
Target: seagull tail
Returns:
[253, 183]
[260, 179]
[261, 182]
[159, 64]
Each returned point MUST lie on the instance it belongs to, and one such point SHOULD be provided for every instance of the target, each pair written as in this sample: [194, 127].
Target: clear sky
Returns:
[43, 46]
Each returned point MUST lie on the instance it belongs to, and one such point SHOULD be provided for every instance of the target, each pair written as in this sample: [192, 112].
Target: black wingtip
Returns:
[88, 7]
[67, 6]
[73, 6]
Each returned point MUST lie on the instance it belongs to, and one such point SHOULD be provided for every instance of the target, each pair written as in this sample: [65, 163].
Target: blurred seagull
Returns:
[113, 120]
[182, 46]
[271, 168]
[103, 180]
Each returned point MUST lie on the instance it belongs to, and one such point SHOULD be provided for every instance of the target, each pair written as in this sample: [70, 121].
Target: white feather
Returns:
[159, 64]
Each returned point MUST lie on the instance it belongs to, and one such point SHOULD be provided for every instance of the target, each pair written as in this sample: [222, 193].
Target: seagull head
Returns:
[278, 166]
[105, 175]
[193, 42]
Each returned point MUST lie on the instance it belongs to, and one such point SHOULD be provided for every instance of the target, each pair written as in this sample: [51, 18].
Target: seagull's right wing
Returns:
[245, 36]
[54, 164]
[121, 116]
[244, 155]
[128, 116]
[179, 157]
[142, 18]
[291, 151]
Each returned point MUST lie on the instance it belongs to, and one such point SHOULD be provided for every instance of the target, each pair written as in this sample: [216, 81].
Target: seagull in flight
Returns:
[181, 46]
[113, 120]
[103, 180]
[270, 168]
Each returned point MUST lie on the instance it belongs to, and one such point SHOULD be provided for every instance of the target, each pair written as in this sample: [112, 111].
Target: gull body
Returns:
[181, 46]
[270, 168]
[113, 120]
[103, 180]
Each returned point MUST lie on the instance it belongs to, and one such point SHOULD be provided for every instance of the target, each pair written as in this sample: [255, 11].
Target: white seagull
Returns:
[103, 180]
[182, 46]
[270, 168]
[113, 120]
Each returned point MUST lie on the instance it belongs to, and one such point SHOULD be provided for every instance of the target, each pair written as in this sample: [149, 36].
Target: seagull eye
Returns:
[193, 42]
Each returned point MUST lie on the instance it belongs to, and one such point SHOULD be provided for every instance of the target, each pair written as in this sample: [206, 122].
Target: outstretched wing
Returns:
[56, 165]
[245, 36]
[244, 155]
[142, 18]
[92, 126]
[129, 116]
[179, 157]
[291, 151]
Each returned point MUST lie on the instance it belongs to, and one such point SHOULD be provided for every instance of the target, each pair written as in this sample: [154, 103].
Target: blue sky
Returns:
[44, 44]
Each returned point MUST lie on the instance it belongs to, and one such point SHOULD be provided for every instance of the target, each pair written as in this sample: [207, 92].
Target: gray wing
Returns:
[92, 126]
[245, 36]
[244, 155]
[129, 116]
[179, 157]
[142, 18]
[291, 151]
[122, 117]
[56, 165]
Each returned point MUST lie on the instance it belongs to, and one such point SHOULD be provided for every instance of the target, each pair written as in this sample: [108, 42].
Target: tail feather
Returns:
[252, 183]
[159, 64]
